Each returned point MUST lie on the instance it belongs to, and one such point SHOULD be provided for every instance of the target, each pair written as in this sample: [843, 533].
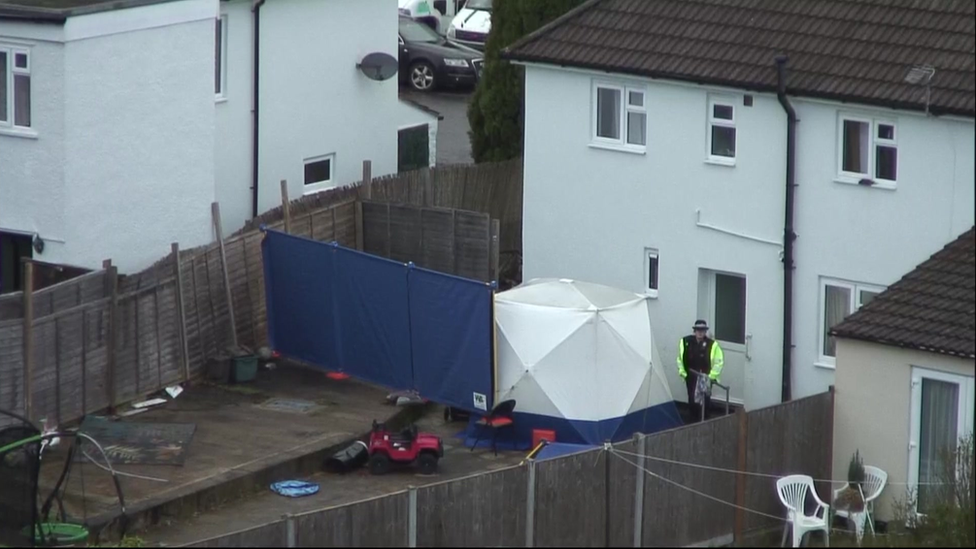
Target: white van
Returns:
[437, 14]
[472, 24]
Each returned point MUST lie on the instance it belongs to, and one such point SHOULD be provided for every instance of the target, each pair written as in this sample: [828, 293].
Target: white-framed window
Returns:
[867, 150]
[15, 87]
[721, 130]
[838, 300]
[319, 173]
[220, 57]
[652, 271]
[722, 302]
[941, 414]
[620, 116]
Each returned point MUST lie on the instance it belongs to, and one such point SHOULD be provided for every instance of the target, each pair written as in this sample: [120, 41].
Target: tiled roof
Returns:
[932, 308]
[852, 50]
[57, 11]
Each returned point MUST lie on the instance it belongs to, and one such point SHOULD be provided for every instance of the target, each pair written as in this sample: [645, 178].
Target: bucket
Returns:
[245, 368]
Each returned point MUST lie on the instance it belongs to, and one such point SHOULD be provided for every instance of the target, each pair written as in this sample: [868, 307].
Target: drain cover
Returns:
[291, 405]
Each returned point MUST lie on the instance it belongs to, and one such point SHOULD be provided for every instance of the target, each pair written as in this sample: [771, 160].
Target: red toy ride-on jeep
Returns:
[406, 447]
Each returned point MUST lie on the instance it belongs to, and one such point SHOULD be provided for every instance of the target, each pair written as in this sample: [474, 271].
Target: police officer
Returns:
[699, 353]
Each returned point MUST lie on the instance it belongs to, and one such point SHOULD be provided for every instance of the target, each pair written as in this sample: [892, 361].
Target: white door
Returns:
[722, 303]
[942, 413]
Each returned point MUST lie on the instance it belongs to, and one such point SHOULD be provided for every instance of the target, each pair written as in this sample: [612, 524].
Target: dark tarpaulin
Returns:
[379, 320]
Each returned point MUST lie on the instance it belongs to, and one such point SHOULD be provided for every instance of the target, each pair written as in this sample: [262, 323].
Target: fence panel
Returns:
[486, 510]
[12, 367]
[379, 522]
[69, 345]
[791, 438]
[673, 515]
[268, 535]
[570, 501]
[95, 349]
[623, 487]
[255, 289]
[472, 245]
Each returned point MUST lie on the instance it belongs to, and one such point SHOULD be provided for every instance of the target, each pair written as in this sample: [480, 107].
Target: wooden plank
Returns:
[494, 243]
[111, 282]
[28, 332]
[378, 522]
[223, 263]
[181, 312]
[561, 484]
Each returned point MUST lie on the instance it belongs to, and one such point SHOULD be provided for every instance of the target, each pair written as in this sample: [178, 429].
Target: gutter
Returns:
[255, 147]
[788, 233]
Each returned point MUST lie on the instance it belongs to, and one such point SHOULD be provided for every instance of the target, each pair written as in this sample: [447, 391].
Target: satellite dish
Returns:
[379, 66]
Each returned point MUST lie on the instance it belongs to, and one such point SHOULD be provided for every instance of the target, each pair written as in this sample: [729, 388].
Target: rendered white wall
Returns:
[32, 186]
[872, 410]
[589, 213]
[314, 101]
[139, 142]
[233, 152]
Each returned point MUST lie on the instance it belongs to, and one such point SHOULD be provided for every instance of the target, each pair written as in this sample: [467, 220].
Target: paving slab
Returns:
[237, 446]
[335, 489]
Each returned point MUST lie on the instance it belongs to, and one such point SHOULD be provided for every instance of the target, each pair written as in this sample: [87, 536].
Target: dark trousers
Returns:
[690, 382]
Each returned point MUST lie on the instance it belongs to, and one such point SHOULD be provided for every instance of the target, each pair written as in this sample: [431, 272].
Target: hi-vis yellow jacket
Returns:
[716, 358]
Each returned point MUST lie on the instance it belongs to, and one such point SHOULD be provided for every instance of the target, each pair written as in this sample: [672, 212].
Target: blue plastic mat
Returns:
[294, 488]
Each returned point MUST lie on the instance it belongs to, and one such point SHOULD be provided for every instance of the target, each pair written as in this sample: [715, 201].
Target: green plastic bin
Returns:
[244, 368]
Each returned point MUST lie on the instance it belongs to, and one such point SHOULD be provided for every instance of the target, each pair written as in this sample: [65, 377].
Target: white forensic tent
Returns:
[580, 358]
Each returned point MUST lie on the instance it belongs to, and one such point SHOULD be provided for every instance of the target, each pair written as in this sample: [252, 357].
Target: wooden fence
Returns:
[101, 340]
[695, 485]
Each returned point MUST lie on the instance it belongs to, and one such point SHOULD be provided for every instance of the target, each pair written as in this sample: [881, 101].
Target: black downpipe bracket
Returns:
[788, 234]
[256, 8]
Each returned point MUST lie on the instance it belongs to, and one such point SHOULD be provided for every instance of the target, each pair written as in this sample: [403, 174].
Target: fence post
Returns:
[112, 289]
[367, 193]
[360, 226]
[639, 492]
[181, 311]
[530, 507]
[28, 339]
[412, 517]
[740, 478]
[286, 205]
[496, 228]
[291, 532]
[223, 267]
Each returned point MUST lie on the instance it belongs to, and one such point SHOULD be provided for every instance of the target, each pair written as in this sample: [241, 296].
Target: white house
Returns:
[656, 159]
[905, 368]
[106, 129]
[120, 122]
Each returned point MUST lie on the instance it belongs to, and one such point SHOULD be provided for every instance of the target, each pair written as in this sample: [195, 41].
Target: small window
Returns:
[319, 173]
[652, 263]
[868, 150]
[15, 87]
[839, 300]
[620, 117]
[220, 57]
[721, 131]
[730, 308]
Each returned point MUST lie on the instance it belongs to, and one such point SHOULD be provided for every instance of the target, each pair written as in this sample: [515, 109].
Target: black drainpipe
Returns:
[788, 235]
[256, 8]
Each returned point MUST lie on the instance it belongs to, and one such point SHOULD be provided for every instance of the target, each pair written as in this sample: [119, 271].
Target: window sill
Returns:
[220, 99]
[317, 188]
[885, 185]
[651, 293]
[825, 365]
[618, 148]
[720, 161]
[25, 133]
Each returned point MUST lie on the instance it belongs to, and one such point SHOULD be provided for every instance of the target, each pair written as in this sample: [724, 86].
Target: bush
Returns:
[949, 519]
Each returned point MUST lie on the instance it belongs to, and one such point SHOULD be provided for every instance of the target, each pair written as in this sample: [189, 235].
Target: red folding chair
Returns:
[500, 416]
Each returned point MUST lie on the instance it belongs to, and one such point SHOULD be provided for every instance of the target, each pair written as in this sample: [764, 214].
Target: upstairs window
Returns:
[220, 57]
[652, 266]
[620, 117]
[15, 87]
[721, 131]
[868, 151]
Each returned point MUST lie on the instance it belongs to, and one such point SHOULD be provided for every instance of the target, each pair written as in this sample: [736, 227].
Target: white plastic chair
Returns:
[875, 481]
[792, 492]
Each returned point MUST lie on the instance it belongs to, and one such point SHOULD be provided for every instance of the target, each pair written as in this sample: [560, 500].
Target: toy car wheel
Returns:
[379, 464]
[427, 463]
